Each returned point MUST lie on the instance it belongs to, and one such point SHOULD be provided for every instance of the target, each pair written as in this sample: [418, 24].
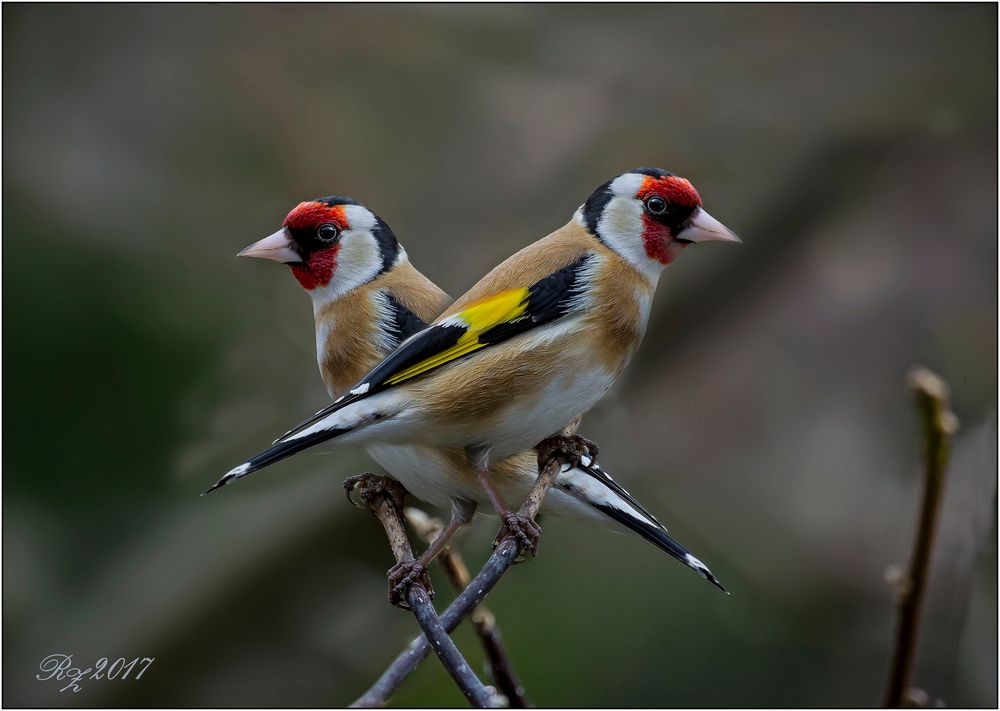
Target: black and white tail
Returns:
[335, 424]
[595, 487]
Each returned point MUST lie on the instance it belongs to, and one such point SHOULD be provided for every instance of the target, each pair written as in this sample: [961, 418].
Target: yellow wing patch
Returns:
[492, 310]
[478, 316]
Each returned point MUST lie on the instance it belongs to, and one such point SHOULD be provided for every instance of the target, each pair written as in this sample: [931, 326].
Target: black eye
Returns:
[656, 205]
[327, 232]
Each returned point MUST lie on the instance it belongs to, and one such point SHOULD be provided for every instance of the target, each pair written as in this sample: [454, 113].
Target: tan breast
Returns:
[347, 339]
[350, 333]
[616, 327]
[478, 388]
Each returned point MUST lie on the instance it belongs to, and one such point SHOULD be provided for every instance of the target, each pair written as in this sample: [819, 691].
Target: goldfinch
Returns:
[367, 298]
[536, 342]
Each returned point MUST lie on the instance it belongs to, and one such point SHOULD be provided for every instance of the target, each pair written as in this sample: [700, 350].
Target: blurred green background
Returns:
[765, 419]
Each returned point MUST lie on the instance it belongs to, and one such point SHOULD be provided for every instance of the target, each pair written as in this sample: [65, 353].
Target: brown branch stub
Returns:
[938, 425]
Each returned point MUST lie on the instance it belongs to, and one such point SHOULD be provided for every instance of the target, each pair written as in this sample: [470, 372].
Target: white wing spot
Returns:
[361, 389]
[454, 320]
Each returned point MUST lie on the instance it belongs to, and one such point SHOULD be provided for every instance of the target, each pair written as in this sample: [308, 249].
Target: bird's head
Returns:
[332, 245]
[649, 216]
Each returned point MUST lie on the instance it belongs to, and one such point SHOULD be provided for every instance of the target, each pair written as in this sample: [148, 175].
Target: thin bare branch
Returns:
[384, 496]
[418, 649]
[939, 424]
[501, 670]
[503, 557]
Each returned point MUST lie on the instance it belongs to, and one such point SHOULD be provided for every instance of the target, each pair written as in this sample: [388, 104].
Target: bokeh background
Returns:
[765, 418]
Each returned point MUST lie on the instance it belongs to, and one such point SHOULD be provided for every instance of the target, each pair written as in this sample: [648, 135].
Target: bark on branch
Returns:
[939, 424]
[384, 497]
[503, 556]
[501, 670]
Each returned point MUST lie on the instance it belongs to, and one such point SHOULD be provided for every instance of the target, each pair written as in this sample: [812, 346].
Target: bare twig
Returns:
[501, 669]
[386, 685]
[503, 557]
[939, 425]
[478, 695]
[384, 496]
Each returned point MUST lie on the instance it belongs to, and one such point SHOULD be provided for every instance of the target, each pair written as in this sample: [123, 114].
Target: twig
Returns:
[503, 556]
[478, 695]
[939, 424]
[384, 497]
[501, 669]
[418, 649]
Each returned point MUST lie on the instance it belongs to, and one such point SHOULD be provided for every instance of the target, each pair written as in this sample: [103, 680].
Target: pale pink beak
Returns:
[705, 228]
[277, 247]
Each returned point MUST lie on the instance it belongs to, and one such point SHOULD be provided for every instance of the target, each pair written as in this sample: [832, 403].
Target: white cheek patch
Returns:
[621, 227]
[358, 262]
[359, 259]
[621, 222]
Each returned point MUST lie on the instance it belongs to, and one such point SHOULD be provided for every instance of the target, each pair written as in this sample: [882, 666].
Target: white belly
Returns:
[529, 420]
[427, 473]
[431, 477]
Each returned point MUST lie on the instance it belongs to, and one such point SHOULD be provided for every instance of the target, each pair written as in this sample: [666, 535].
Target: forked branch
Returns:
[482, 619]
[503, 557]
[384, 496]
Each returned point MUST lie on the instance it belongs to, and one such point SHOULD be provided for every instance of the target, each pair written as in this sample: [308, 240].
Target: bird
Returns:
[532, 345]
[364, 307]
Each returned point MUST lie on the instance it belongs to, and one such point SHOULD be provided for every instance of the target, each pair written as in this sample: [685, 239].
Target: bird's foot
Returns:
[384, 497]
[369, 486]
[523, 529]
[402, 576]
[568, 449]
